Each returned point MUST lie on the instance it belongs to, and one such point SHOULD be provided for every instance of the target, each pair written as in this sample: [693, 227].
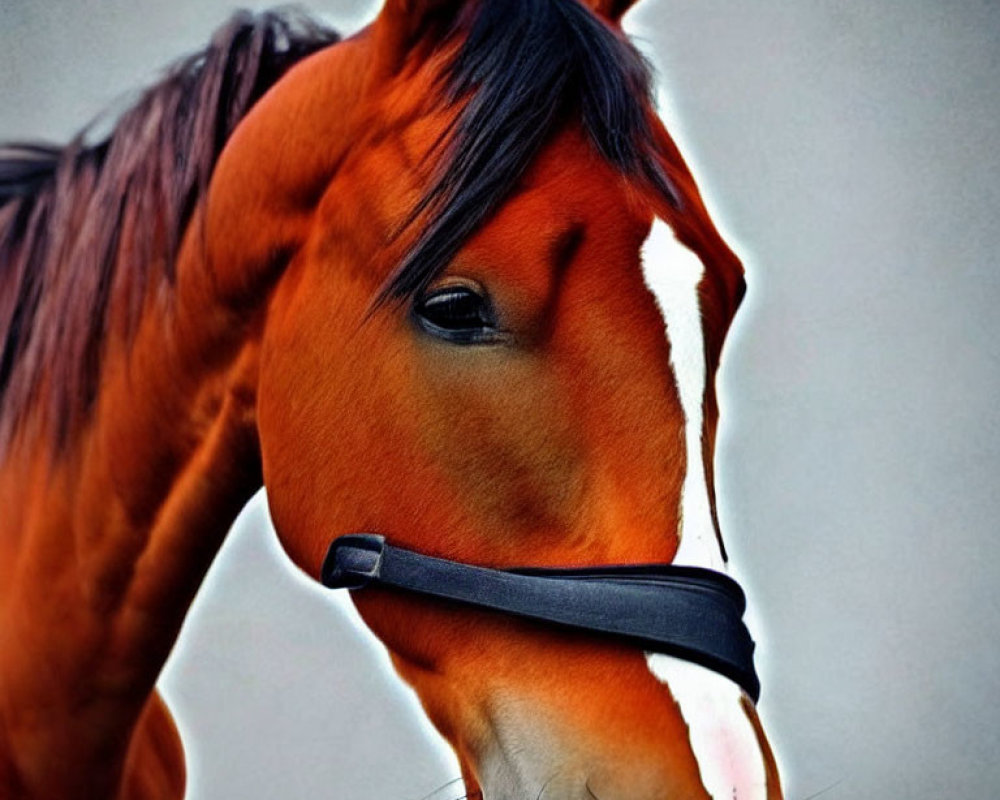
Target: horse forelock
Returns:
[521, 70]
[84, 227]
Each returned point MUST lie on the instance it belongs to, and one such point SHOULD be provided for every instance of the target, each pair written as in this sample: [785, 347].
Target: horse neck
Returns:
[106, 543]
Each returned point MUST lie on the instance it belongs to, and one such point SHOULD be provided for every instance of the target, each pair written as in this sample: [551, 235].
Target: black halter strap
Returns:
[688, 612]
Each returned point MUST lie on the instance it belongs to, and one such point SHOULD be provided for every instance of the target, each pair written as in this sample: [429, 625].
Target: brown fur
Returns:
[256, 356]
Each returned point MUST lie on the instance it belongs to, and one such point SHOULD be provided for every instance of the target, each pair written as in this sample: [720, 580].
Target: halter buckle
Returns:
[353, 561]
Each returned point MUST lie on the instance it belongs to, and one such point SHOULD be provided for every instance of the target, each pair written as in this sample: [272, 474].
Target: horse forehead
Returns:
[568, 192]
[571, 161]
[538, 247]
[568, 185]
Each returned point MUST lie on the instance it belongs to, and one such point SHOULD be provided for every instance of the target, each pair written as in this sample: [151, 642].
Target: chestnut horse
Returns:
[415, 282]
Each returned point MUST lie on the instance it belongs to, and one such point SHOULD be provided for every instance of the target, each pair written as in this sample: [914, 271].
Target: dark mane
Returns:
[524, 67]
[66, 213]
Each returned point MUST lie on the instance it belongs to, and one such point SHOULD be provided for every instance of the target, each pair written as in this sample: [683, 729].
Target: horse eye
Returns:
[458, 314]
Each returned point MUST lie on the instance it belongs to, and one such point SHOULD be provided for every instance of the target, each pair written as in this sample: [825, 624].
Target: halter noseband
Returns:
[688, 612]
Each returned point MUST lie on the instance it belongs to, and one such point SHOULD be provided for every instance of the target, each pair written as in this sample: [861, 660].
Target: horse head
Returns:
[448, 281]
[495, 342]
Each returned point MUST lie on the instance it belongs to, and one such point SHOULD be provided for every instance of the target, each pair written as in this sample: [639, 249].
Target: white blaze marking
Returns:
[722, 738]
[673, 272]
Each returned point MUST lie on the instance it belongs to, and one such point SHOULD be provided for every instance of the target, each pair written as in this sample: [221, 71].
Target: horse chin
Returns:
[534, 766]
[698, 740]
[526, 762]
[528, 755]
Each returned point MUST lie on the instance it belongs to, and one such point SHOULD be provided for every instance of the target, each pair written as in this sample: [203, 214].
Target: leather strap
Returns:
[688, 612]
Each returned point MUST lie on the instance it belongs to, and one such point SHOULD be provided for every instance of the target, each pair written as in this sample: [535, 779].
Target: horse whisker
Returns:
[442, 787]
[833, 785]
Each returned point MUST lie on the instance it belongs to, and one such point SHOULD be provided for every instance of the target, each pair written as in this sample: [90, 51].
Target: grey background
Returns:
[850, 152]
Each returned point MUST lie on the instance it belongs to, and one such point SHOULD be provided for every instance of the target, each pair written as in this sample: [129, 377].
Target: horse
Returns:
[448, 281]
